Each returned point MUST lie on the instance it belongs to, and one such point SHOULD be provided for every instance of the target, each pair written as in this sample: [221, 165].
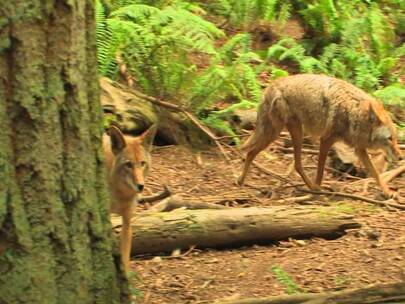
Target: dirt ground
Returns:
[373, 254]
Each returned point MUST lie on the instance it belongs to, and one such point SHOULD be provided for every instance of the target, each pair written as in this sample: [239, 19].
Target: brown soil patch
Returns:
[373, 254]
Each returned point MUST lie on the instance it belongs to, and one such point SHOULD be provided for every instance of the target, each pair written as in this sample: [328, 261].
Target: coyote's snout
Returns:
[127, 160]
[328, 108]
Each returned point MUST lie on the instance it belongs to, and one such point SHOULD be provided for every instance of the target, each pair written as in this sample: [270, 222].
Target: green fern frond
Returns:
[367, 74]
[220, 125]
[286, 48]
[277, 73]
[269, 9]
[138, 13]
[310, 65]
[284, 278]
[106, 43]
[284, 14]
[392, 95]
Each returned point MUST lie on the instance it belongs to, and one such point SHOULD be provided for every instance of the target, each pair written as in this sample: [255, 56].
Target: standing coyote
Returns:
[328, 108]
[127, 160]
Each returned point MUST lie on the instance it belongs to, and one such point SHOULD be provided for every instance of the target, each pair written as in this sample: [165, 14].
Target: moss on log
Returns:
[166, 231]
[135, 114]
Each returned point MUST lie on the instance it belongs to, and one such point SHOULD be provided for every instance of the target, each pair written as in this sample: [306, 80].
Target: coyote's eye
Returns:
[143, 163]
[129, 165]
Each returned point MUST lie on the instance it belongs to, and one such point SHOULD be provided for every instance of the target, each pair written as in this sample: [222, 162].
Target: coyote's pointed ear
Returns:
[374, 118]
[148, 136]
[117, 139]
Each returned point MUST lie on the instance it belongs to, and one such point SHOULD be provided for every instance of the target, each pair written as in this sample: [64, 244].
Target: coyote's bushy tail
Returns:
[271, 117]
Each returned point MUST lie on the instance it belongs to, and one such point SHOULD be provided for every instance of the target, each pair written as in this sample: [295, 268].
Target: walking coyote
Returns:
[328, 108]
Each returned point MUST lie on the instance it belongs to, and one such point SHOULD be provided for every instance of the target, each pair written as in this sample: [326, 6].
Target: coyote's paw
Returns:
[315, 187]
[390, 194]
[239, 181]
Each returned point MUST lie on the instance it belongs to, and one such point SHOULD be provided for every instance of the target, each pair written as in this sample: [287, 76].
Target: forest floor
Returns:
[373, 254]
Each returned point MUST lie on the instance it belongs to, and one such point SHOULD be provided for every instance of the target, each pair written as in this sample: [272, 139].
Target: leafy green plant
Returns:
[230, 76]
[134, 278]
[153, 43]
[244, 13]
[284, 278]
[172, 52]
[392, 95]
[350, 59]
[106, 43]
[159, 46]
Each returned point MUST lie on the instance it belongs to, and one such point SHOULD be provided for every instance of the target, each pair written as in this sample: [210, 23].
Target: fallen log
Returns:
[135, 111]
[383, 293]
[180, 229]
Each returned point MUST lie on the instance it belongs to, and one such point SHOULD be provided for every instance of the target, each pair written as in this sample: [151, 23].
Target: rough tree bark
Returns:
[55, 235]
[166, 231]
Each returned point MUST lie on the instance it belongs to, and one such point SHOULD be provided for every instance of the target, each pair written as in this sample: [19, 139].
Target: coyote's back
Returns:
[325, 107]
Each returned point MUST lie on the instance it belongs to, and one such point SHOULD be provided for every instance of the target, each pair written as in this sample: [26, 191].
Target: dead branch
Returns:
[173, 203]
[263, 169]
[392, 174]
[296, 199]
[233, 196]
[303, 150]
[204, 202]
[208, 132]
[156, 197]
[386, 176]
[382, 293]
[356, 197]
[271, 173]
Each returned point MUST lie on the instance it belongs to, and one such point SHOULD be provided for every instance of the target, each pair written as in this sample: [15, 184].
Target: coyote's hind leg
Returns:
[260, 144]
[324, 148]
[295, 129]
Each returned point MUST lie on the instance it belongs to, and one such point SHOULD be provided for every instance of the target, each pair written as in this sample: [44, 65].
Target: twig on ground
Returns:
[208, 132]
[173, 203]
[303, 150]
[270, 172]
[156, 197]
[382, 293]
[356, 197]
[390, 175]
[232, 136]
[386, 176]
[295, 199]
[262, 168]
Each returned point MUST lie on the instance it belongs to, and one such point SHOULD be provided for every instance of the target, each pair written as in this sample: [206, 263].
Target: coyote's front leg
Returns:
[126, 237]
[365, 159]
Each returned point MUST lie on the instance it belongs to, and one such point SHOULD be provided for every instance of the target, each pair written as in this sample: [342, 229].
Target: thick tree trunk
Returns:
[55, 235]
[387, 293]
[166, 231]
